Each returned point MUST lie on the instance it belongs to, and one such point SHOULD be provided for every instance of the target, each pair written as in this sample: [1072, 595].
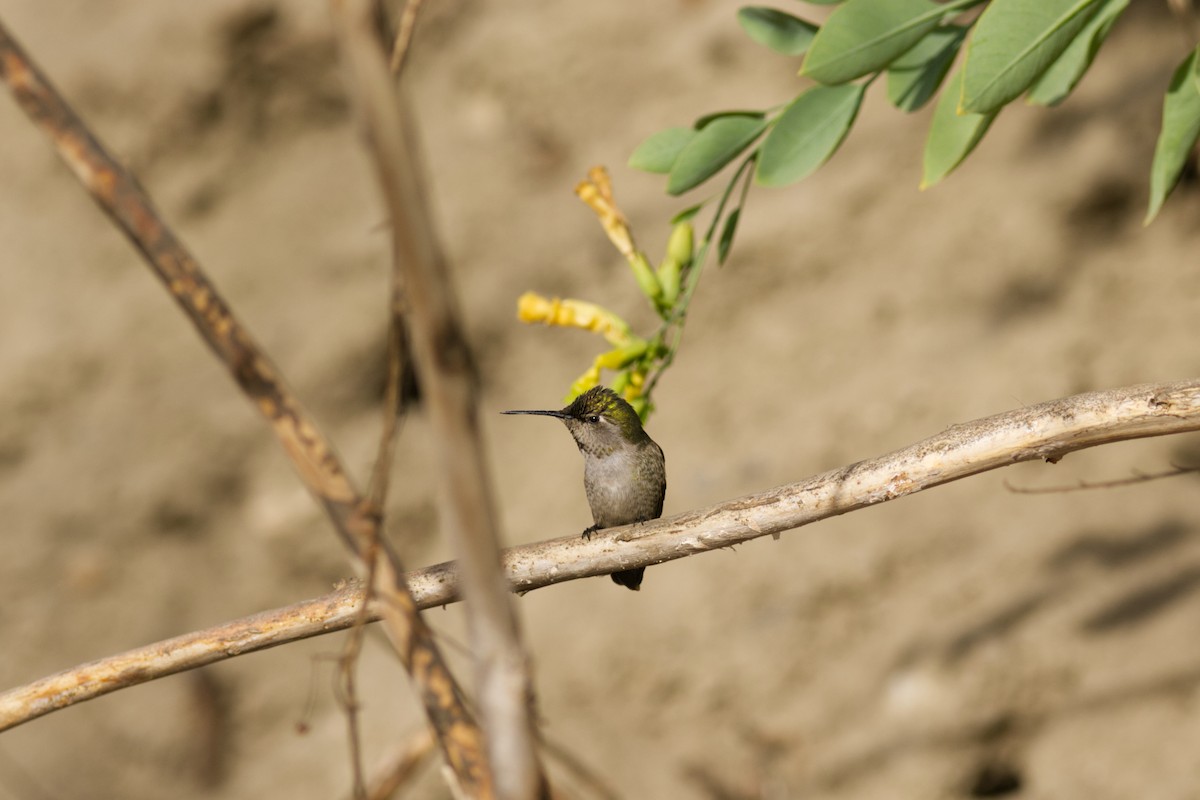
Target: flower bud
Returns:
[646, 280]
[679, 246]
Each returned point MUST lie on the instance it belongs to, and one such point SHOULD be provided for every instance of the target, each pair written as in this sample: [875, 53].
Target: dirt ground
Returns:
[966, 642]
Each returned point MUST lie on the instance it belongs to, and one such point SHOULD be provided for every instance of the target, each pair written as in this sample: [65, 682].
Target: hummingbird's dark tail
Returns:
[629, 578]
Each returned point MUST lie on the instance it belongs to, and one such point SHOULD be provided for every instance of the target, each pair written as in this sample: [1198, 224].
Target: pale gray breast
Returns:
[626, 486]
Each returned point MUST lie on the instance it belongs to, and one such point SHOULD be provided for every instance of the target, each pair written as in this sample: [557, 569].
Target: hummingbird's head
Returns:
[600, 420]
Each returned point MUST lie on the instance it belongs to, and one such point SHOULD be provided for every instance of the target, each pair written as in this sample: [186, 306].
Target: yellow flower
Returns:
[621, 356]
[628, 382]
[584, 382]
[596, 191]
[533, 307]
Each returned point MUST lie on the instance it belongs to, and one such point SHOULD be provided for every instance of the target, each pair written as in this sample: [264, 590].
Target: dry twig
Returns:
[584, 774]
[1081, 486]
[400, 766]
[449, 387]
[347, 671]
[120, 196]
[377, 489]
[1046, 431]
[404, 35]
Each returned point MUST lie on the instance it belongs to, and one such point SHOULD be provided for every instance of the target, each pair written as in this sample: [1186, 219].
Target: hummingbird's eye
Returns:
[593, 418]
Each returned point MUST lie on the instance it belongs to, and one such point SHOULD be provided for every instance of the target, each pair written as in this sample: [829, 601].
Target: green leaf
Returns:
[1061, 77]
[863, 36]
[702, 122]
[1013, 44]
[659, 151]
[952, 135]
[688, 213]
[1180, 130]
[823, 2]
[727, 232]
[1196, 75]
[914, 77]
[807, 133]
[711, 149]
[781, 32]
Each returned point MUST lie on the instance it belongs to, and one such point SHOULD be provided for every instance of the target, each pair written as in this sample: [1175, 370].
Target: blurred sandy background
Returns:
[963, 642]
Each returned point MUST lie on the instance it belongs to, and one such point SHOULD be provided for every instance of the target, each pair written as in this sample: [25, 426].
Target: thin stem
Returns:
[673, 325]
[347, 685]
[445, 365]
[404, 35]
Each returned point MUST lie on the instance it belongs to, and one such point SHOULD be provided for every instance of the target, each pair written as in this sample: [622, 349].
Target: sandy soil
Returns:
[964, 642]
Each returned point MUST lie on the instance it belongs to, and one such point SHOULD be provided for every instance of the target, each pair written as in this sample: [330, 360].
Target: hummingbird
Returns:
[624, 471]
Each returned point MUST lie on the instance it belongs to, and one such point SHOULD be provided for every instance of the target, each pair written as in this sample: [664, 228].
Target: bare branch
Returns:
[449, 387]
[397, 354]
[377, 488]
[335, 611]
[1045, 431]
[130, 208]
[400, 766]
[348, 673]
[587, 776]
[404, 34]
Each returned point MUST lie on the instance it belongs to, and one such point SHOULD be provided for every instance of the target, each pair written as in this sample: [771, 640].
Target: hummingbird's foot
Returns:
[589, 530]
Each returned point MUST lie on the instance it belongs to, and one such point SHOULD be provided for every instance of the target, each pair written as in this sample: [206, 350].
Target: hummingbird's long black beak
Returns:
[559, 414]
